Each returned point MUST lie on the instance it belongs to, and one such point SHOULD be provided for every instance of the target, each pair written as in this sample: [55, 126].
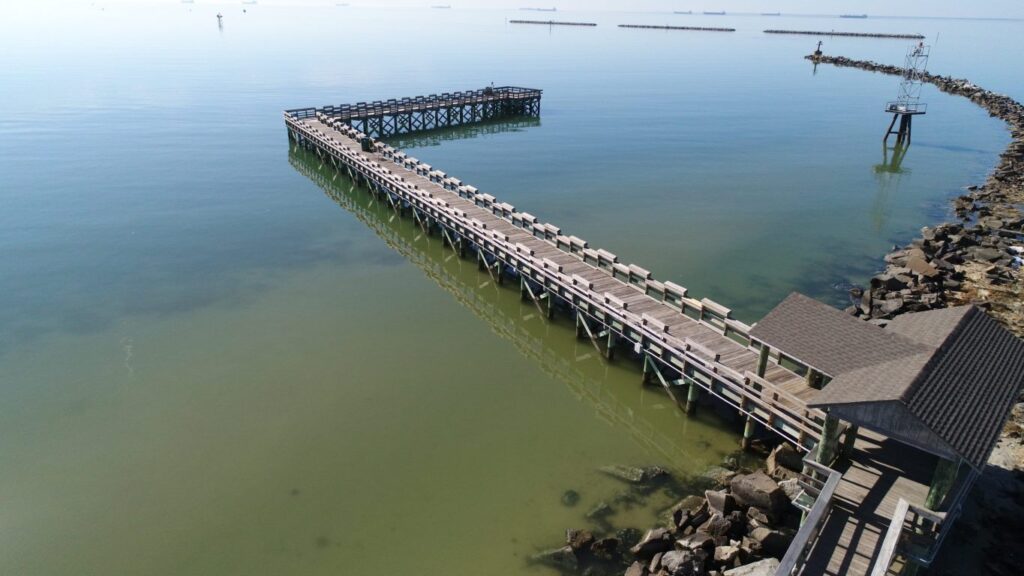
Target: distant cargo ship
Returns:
[771, 13]
[853, 15]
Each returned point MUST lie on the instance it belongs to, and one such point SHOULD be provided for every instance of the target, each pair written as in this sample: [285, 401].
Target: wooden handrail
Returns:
[796, 554]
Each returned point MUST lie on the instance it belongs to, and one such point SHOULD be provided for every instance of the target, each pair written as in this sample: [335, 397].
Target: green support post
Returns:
[579, 325]
[646, 378]
[829, 440]
[692, 395]
[612, 339]
[762, 360]
[748, 432]
[849, 440]
[551, 306]
[942, 482]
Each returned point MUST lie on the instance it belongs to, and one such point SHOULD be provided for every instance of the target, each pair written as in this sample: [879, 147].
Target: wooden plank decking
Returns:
[879, 473]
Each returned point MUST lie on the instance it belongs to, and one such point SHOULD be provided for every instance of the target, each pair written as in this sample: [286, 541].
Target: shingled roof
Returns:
[829, 340]
[954, 370]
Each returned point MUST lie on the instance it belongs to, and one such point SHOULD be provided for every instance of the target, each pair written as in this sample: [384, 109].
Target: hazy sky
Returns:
[947, 8]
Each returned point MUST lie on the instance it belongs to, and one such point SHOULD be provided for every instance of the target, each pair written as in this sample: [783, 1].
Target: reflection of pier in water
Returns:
[514, 328]
[436, 137]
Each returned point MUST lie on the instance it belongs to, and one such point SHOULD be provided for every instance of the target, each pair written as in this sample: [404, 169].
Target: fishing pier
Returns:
[792, 373]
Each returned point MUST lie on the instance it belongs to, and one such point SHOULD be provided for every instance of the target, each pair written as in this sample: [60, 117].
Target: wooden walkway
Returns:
[880, 472]
[692, 342]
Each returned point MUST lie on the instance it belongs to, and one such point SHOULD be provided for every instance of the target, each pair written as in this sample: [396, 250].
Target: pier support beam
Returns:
[749, 428]
[814, 378]
[692, 396]
[849, 440]
[829, 440]
[942, 482]
[609, 352]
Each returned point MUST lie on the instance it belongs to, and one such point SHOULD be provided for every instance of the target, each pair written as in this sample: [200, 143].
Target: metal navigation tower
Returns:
[908, 102]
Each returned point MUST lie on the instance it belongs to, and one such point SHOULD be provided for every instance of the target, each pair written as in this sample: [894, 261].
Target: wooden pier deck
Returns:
[879, 473]
[690, 342]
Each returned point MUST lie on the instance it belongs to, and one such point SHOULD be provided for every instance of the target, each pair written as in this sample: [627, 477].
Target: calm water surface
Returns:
[216, 357]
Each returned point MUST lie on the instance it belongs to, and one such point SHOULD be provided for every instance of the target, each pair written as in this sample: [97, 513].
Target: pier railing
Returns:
[916, 534]
[818, 484]
[346, 112]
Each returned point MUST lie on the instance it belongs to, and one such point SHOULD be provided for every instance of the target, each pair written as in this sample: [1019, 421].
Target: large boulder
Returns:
[677, 561]
[720, 502]
[766, 567]
[760, 491]
[791, 488]
[784, 462]
[696, 541]
[653, 542]
[636, 569]
[771, 542]
[726, 555]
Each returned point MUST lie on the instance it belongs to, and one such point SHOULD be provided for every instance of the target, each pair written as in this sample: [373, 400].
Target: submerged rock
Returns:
[635, 474]
[579, 540]
[570, 498]
[562, 558]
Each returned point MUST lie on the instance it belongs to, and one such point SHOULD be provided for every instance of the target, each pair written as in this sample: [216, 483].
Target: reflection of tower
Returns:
[888, 173]
[908, 102]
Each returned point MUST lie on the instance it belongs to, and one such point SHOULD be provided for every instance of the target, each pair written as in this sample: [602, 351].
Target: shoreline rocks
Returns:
[746, 521]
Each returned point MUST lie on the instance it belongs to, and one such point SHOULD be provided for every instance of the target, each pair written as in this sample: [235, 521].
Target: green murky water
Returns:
[216, 358]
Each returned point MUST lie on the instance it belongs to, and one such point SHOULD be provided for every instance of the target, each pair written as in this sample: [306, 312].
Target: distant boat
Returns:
[722, 13]
[687, 12]
[853, 15]
[771, 13]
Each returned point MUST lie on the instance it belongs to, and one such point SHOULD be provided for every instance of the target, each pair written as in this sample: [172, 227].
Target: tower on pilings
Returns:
[908, 102]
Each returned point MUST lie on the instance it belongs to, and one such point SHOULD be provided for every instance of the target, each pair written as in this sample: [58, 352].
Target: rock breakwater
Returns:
[977, 259]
